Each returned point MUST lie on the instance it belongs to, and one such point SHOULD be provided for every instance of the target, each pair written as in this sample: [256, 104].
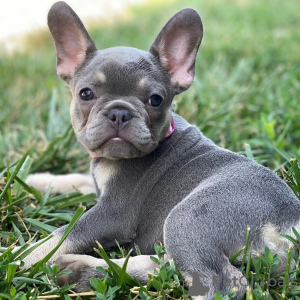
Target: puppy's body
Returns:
[182, 189]
[188, 170]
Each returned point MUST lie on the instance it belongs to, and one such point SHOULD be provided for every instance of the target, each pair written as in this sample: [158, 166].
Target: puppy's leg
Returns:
[207, 274]
[83, 269]
[103, 223]
[62, 184]
[190, 239]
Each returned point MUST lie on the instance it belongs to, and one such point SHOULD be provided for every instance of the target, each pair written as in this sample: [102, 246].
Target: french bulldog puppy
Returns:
[158, 177]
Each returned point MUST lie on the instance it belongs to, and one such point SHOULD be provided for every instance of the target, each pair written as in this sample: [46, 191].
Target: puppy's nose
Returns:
[119, 117]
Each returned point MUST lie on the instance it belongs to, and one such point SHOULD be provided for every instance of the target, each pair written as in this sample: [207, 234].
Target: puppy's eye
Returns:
[86, 94]
[155, 100]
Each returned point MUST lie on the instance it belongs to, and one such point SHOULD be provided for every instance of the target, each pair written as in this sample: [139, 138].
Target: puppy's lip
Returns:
[116, 141]
[111, 142]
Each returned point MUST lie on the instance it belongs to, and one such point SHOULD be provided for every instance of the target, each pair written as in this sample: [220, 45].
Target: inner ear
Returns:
[73, 43]
[177, 45]
[177, 56]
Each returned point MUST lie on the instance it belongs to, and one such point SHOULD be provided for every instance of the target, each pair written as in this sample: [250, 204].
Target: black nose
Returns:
[119, 117]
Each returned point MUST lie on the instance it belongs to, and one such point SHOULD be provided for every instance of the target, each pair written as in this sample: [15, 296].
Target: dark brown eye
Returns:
[155, 100]
[86, 94]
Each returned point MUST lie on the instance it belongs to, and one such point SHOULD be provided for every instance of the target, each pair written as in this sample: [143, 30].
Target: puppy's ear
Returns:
[73, 43]
[176, 47]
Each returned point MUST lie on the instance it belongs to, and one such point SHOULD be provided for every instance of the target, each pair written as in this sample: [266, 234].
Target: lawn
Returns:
[245, 98]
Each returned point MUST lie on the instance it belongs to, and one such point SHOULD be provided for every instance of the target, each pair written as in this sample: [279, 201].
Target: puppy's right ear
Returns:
[176, 47]
[73, 43]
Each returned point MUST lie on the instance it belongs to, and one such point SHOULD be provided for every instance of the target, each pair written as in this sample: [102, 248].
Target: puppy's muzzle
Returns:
[119, 117]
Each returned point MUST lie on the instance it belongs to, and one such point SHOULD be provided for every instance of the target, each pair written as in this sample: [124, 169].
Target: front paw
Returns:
[83, 269]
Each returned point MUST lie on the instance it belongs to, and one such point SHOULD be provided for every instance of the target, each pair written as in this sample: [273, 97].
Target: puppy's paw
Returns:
[40, 181]
[83, 269]
[62, 184]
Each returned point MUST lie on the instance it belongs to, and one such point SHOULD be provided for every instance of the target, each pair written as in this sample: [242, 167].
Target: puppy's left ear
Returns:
[176, 47]
[73, 44]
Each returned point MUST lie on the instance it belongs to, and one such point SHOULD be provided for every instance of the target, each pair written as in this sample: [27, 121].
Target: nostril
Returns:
[112, 116]
[126, 116]
[119, 116]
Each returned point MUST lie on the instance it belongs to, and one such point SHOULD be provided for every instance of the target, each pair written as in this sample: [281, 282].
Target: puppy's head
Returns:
[121, 106]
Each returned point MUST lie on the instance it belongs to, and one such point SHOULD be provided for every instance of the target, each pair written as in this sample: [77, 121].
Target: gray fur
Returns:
[196, 197]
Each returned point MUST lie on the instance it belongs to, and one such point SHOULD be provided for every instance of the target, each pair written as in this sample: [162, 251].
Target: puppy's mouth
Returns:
[116, 142]
[115, 148]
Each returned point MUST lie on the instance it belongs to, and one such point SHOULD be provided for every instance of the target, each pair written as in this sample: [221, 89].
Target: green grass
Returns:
[246, 87]
[245, 97]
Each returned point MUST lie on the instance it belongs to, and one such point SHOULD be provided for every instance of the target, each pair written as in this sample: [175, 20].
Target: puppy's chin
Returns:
[117, 148]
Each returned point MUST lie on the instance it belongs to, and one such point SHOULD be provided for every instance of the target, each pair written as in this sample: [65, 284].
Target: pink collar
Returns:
[168, 134]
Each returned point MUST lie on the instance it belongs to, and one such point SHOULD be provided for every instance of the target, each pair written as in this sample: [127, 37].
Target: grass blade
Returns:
[292, 240]
[77, 215]
[249, 261]
[287, 270]
[235, 256]
[40, 225]
[123, 270]
[30, 189]
[13, 175]
[22, 174]
[116, 270]
[246, 247]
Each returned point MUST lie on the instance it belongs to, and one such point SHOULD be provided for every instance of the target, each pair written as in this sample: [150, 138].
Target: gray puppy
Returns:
[158, 177]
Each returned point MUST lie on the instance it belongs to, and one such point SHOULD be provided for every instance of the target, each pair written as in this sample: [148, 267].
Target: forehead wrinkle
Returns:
[139, 64]
[118, 79]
